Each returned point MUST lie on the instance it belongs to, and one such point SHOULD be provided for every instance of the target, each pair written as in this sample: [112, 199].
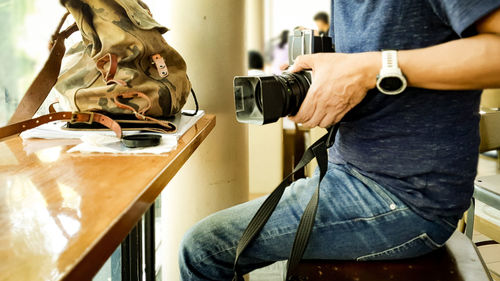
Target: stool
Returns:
[486, 190]
[458, 260]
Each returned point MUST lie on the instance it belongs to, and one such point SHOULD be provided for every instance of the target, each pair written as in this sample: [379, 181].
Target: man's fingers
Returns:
[328, 120]
[301, 63]
[306, 110]
[333, 118]
[284, 66]
[315, 119]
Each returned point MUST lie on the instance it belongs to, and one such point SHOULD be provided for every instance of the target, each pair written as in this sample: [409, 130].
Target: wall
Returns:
[287, 14]
[210, 37]
[26, 27]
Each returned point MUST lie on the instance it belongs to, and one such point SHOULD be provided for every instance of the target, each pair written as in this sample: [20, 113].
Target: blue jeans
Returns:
[357, 219]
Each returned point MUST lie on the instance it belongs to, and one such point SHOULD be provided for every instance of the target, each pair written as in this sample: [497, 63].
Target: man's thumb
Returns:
[303, 62]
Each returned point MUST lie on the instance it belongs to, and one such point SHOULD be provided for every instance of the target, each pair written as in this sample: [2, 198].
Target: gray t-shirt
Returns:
[422, 145]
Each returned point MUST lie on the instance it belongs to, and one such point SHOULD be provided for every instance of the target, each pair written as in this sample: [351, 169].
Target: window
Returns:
[26, 27]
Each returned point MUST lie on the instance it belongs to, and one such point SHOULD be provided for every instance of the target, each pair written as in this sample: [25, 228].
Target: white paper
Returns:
[104, 141]
[111, 144]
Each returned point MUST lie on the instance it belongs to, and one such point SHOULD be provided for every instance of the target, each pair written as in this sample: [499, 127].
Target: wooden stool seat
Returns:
[458, 260]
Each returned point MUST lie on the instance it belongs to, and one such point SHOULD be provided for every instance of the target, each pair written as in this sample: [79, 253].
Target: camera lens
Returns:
[265, 99]
[294, 88]
[258, 98]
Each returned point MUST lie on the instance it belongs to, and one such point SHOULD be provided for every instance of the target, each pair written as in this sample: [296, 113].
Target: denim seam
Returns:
[316, 226]
[320, 226]
[375, 187]
[214, 254]
[363, 218]
[422, 236]
[233, 248]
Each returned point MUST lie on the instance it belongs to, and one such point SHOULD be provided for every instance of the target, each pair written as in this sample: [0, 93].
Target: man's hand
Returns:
[340, 82]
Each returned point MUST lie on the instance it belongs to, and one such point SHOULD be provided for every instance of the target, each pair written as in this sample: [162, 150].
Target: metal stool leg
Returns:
[469, 224]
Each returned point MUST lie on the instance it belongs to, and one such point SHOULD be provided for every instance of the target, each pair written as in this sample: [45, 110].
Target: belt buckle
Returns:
[75, 114]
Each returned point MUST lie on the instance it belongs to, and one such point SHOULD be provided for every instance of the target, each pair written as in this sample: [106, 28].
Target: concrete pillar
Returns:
[265, 142]
[210, 36]
[255, 25]
[268, 22]
[265, 149]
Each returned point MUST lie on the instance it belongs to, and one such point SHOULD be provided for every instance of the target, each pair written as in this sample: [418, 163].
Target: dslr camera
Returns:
[264, 99]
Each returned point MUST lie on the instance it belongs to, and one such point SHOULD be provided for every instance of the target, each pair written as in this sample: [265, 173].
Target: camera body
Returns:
[264, 99]
[303, 42]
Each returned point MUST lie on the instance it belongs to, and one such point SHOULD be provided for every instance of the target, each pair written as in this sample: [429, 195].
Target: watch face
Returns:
[391, 83]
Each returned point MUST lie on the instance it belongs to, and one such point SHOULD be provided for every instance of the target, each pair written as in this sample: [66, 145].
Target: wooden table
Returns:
[63, 214]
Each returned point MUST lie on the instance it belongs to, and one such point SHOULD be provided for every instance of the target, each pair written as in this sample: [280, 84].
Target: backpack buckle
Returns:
[161, 66]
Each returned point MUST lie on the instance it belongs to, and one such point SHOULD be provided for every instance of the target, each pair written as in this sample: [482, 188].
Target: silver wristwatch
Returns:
[390, 80]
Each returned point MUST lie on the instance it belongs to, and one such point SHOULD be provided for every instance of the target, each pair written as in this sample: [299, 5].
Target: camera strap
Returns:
[319, 151]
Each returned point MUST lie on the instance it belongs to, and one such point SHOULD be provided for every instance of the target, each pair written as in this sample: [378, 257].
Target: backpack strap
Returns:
[140, 114]
[46, 78]
[319, 151]
[72, 117]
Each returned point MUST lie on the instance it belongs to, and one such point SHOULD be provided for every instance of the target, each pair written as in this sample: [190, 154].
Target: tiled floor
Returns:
[490, 254]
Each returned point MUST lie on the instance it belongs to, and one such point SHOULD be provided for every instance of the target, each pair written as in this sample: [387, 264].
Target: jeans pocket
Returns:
[450, 224]
[385, 195]
[414, 247]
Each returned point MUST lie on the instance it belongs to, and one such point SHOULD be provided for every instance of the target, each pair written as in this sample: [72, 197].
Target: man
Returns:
[401, 171]
[322, 22]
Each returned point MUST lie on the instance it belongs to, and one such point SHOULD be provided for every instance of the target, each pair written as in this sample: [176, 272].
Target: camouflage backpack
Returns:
[123, 66]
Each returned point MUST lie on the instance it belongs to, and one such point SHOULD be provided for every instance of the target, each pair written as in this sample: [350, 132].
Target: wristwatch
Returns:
[390, 80]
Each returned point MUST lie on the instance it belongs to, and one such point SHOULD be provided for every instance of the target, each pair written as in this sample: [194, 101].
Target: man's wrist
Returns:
[372, 63]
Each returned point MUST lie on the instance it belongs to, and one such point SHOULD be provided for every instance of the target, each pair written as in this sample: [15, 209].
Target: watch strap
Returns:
[390, 59]
[390, 69]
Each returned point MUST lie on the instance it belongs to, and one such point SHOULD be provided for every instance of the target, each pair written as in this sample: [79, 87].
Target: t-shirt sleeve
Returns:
[462, 14]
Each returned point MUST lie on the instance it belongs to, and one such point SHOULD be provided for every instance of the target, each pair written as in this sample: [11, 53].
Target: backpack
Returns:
[122, 67]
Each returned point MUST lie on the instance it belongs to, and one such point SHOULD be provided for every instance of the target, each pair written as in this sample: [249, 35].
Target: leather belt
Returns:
[72, 117]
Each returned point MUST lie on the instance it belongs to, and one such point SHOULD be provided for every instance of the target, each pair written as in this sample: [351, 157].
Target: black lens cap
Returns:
[141, 140]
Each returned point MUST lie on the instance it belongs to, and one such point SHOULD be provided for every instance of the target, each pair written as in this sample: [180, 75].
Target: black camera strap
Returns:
[319, 151]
